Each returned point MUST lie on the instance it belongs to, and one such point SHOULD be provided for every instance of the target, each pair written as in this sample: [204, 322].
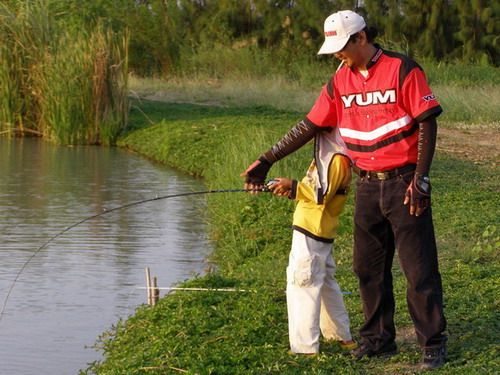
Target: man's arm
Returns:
[255, 175]
[297, 137]
[426, 145]
[321, 115]
[419, 191]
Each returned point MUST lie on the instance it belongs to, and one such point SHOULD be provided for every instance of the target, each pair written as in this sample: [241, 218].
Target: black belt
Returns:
[385, 175]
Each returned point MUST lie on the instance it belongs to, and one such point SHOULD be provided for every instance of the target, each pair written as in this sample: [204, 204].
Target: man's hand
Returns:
[281, 187]
[250, 186]
[418, 195]
[255, 175]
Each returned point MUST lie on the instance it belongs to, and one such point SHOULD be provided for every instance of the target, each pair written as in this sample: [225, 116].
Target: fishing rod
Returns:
[105, 212]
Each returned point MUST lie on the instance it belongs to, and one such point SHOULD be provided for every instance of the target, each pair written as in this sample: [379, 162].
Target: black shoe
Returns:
[366, 351]
[433, 357]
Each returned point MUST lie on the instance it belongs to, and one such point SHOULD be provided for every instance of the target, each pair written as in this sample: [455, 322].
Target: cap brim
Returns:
[329, 47]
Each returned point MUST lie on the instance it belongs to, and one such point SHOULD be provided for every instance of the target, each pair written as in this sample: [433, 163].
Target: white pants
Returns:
[314, 298]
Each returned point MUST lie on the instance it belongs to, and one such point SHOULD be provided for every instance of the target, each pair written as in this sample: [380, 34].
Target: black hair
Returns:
[371, 34]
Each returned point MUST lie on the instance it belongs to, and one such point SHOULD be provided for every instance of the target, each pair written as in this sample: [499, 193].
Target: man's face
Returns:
[350, 54]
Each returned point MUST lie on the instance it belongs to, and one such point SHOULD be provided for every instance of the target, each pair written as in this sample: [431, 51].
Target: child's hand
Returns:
[282, 187]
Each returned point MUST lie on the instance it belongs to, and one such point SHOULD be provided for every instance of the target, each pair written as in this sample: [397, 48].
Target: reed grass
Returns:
[17, 34]
[65, 83]
[9, 91]
[83, 90]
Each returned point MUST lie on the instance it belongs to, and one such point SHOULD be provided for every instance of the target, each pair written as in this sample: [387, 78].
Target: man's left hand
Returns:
[418, 195]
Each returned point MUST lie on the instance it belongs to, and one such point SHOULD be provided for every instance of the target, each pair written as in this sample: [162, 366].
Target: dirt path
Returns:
[162, 98]
[476, 145]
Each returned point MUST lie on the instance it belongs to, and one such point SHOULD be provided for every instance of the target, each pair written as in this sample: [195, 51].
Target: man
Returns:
[386, 113]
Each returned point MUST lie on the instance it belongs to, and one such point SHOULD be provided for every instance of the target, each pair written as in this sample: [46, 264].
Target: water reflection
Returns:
[81, 283]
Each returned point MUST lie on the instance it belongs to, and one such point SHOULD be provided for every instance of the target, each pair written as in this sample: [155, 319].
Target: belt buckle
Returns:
[382, 175]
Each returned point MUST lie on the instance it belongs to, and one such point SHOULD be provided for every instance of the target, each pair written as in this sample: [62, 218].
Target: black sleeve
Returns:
[297, 137]
[426, 145]
[431, 112]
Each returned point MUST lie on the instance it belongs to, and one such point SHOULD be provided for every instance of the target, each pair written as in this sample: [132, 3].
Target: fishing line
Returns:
[107, 212]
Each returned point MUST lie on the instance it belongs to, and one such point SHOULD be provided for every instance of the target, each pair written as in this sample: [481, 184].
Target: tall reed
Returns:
[9, 91]
[83, 90]
[23, 35]
[62, 82]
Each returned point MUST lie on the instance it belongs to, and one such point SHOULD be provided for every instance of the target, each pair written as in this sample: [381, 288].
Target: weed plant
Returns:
[59, 81]
[246, 332]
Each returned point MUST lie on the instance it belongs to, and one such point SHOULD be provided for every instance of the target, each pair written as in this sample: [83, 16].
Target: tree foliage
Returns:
[163, 30]
[478, 33]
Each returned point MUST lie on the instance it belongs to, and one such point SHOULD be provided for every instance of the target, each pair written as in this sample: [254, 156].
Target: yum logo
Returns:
[370, 98]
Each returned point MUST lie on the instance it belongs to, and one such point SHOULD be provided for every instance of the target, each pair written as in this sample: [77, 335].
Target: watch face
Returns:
[423, 186]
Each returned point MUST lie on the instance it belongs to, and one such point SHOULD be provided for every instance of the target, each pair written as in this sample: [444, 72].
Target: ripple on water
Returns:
[85, 280]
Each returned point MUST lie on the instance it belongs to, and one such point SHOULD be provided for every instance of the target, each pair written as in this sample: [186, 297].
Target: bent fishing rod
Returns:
[107, 211]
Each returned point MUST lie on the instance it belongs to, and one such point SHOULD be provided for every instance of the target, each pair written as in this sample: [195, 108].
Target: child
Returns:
[314, 298]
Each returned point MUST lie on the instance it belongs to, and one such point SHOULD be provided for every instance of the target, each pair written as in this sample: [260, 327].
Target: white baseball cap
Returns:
[338, 29]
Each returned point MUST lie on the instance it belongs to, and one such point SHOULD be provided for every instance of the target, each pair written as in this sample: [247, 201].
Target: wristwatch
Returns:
[423, 183]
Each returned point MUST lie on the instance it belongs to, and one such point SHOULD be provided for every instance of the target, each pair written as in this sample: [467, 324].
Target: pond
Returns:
[84, 281]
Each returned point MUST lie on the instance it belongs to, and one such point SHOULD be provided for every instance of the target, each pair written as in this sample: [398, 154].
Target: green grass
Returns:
[476, 105]
[246, 332]
[479, 106]
[309, 70]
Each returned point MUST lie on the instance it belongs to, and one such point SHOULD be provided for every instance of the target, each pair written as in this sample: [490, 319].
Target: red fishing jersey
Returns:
[378, 115]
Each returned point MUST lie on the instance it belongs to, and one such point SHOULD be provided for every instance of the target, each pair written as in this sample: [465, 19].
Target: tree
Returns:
[427, 24]
[386, 16]
[479, 32]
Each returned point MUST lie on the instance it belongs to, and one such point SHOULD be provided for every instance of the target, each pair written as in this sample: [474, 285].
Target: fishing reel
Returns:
[267, 188]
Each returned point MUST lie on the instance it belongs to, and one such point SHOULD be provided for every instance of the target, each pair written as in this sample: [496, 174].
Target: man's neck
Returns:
[368, 53]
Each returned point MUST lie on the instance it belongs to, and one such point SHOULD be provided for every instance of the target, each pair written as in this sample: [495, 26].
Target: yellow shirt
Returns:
[320, 221]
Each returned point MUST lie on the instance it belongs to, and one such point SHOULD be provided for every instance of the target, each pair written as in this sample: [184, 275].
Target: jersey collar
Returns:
[375, 57]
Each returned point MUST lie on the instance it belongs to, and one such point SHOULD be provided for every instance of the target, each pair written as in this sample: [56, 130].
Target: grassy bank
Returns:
[246, 332]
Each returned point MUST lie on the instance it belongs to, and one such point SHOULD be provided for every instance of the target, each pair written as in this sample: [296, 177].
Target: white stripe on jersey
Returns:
[374, 134]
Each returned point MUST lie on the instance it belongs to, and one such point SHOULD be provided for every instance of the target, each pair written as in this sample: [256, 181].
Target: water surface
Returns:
[86, 280]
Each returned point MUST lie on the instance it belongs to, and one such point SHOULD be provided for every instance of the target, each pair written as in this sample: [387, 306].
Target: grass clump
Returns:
[246, 332]
[59, 81]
